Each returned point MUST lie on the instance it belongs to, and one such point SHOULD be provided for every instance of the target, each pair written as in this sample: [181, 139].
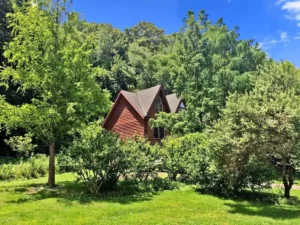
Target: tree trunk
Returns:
[51, 177]
[287, 192]
[172, 176]
[287, 180]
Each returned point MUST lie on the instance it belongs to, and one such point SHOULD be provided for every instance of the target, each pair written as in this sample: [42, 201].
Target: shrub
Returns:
[142, 158]
[6, 171]
[35, 167]
[97, 158]
[39, 166]
[186, 156]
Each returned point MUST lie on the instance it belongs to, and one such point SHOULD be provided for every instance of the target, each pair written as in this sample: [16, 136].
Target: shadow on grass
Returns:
[263, 204]
[71, 192]
[264, 210]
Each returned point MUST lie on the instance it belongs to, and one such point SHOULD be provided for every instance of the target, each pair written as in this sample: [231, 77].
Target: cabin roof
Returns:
[142, 100]
[173, 102]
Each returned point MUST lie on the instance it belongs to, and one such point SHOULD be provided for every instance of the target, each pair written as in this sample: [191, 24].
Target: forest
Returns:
[60, 75]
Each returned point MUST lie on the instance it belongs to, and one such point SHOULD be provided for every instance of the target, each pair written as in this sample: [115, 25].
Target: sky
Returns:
[274, 24]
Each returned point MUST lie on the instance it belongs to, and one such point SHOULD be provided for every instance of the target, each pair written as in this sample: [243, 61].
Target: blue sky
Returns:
[275, 24]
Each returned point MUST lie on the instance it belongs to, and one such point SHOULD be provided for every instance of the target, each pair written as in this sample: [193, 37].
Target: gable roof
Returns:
[173, 102]
[147, 97]
[142, 101]
[133, 99]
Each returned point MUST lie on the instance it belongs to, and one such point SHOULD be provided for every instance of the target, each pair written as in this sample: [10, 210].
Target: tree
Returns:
[261, 129]
[146, 35]
[51, 58]
[11, 94]
[213, 62]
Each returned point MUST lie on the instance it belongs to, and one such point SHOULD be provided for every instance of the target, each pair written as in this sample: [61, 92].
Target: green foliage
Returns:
[58, 71]
[57, 68]
[259, 130]
[105, 163]
[50, 57]
[34, 167]
[146, 35]
[142, 157]
[22, 144]
[186, 157]
[97, 158]
[174, 123]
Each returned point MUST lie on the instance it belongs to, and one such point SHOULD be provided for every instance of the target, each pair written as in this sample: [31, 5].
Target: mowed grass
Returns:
[27, 202]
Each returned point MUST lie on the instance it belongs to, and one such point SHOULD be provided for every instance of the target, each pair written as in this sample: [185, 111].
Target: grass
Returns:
[28, 202]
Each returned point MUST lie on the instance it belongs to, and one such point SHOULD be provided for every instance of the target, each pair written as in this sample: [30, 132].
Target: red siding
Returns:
[126, 121]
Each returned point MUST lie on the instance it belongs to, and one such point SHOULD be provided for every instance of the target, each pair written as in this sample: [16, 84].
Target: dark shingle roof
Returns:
[147, 97]
[173, 102]
[142, 100]
[134, 101]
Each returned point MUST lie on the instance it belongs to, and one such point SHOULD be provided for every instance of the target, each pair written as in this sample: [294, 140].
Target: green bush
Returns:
[35, 167]
[97, 158]
[105, 163]
[142, 157]
[186, 158]
[6, 171]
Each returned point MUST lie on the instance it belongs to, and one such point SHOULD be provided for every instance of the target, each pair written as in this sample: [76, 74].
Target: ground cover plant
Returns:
[31, 202]
[33, 167]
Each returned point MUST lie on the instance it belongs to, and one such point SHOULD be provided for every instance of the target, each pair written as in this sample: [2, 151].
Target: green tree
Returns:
[50, 57]
[213, 62]
[146, 35]
[260, 130]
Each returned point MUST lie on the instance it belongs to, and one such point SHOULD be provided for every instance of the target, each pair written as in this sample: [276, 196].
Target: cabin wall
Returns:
[149, 132]
[126, 121]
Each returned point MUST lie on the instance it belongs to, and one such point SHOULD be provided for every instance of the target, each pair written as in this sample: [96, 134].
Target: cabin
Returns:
[131, 113]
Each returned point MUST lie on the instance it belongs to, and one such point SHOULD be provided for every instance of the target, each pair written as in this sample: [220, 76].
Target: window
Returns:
[158, 105]
[181, 106]
[159, 133]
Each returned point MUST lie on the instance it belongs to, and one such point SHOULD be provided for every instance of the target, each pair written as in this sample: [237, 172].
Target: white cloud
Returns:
[292, 6]
[283, 36]
[267, 43]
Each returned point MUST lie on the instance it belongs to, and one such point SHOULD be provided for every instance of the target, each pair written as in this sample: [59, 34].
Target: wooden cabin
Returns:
[131, 112]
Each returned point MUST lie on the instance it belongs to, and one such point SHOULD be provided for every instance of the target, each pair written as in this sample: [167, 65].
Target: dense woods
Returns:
[60, 74]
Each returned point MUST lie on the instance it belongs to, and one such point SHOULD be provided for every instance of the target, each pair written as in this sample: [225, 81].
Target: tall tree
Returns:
[145, 34]
[262, 126]
[5, 7]
[51, 58]
[216, 62]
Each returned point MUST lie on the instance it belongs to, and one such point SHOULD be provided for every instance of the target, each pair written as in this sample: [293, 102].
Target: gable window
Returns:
[159, 133]
[158, 105]
[181, 106]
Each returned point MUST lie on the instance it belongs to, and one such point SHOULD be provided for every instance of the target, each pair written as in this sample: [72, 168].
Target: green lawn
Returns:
[26, 202]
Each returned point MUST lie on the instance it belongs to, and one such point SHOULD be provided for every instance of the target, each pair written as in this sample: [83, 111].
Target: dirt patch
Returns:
[294, 187]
